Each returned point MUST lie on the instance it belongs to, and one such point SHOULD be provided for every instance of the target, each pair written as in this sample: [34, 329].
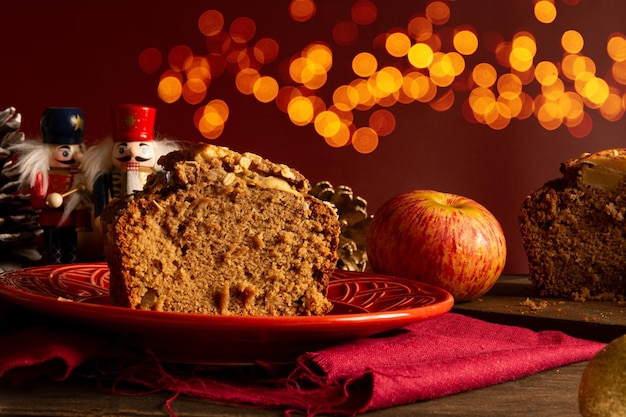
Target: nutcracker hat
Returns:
[63, 126]
[133, 123]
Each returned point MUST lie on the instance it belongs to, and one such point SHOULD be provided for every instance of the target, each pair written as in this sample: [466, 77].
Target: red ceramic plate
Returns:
[364, 305]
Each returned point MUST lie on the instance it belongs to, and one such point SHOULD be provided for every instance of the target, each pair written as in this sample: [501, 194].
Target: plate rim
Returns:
[34, 300]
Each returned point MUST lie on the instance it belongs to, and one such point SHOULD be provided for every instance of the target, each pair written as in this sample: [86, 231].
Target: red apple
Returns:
[443, 239]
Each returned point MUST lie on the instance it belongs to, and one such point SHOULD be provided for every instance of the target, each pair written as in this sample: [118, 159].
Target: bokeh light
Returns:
[546, 73]
[150, 60]
[242, 29]
[302, 10]
[265, 89]
[194, 91]
[364, 64]
[383, 122]
[245, 79]
[572, 41]
[211, 22]
[266, 50]
[545, 11]
[484, 75]
[365, 140]
[170, 87]
[420, 28]
[426, 61]
[465, 41]
[327, 123]
[438, 12]
[363, 12]
[211, 119]
[179, 58]
[300, 110]
[397, 44]
[420, 55]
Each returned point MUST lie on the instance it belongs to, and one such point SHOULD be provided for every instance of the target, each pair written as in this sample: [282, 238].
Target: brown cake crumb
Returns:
[534, 306]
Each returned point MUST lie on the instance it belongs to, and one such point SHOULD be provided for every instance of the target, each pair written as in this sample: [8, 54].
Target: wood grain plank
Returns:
[513, 301]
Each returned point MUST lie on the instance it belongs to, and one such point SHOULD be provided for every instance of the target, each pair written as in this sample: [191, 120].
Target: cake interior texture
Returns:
[222, 234]
[574, 229]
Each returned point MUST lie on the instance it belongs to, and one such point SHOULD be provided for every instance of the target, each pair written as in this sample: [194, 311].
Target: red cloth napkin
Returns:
[426, 360]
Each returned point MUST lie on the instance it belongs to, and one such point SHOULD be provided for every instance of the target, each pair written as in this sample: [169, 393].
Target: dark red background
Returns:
[85, 54]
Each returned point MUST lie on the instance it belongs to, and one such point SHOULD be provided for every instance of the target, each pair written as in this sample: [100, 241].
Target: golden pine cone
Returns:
[353, 219]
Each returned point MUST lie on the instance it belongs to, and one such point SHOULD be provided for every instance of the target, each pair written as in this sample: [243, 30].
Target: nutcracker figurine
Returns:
[120, 165]
[50, 170]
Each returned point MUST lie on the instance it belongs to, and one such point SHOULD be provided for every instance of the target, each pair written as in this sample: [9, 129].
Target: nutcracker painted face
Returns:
[65, 156]
[133, 136]
[141, 152]
[62, 129]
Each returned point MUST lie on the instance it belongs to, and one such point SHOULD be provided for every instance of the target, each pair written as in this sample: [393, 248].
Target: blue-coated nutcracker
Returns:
[50, 170]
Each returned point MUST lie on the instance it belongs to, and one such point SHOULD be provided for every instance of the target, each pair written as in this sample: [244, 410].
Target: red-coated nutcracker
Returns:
[121, 165]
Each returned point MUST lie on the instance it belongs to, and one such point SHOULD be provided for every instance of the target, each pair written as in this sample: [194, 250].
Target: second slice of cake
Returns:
[574, 229]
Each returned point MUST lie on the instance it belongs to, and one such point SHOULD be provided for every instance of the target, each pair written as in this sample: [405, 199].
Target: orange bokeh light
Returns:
[211, 22]
[242, 29]
[364, 64]
[397, 44]
[150, 60]
[302, 10]
[465, 41]
[572, 41]
[170, 88]
[265, 89]
[364, 140]
[616, 47]
[194, 91]
[438, 12]
[245, 79]
[427, 61]
[420, 28]
[180, 57]
[266, 50]
[383, 122]
[364, 12]
[545, 11]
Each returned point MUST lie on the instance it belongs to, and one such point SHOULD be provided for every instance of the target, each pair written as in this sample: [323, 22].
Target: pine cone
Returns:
[354, 221]
[19, 227]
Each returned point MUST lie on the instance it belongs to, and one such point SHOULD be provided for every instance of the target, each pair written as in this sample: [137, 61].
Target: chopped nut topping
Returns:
[273, 182]
[229, 178]
[245, 162]
[252, 156]
[286, 172]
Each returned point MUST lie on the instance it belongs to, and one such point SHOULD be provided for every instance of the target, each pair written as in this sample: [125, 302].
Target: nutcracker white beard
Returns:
[133, 178]
[129, 179]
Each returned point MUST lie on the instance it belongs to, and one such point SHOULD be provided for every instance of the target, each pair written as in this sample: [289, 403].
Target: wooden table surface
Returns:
[551, 393]
[512, 301]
